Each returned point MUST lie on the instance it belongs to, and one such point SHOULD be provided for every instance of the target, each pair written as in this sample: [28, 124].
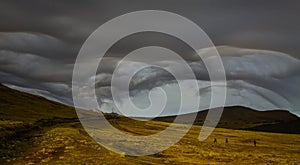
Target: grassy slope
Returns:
[25, 107]
[41, 131]
[22, 114]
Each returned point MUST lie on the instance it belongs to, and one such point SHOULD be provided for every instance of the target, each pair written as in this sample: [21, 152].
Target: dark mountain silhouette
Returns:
[282, 127]
[245, 118]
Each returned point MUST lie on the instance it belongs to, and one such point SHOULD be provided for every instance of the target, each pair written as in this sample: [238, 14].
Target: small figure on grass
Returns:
[254, 142]
[226, 140]
[215, 140]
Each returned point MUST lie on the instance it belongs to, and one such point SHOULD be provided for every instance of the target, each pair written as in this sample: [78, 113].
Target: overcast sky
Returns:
[40, 40]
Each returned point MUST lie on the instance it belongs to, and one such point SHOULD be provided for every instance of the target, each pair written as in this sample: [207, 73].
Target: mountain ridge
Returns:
[20, 106]
[239, 117]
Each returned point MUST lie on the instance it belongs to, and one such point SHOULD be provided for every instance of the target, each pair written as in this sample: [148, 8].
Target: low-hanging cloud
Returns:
[256, 78]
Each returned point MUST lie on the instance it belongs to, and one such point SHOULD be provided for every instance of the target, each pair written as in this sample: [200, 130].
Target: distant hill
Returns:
[245, 118]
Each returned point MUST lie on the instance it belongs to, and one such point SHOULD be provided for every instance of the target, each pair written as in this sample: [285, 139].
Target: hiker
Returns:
[215, 141]
[226, 140]
[254, 142]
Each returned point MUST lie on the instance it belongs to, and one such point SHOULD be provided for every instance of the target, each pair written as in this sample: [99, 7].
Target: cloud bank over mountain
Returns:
[39, 42]
[259, 79]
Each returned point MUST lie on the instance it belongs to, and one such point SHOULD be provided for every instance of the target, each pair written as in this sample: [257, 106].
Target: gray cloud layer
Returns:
[256, 78]
[39, 41]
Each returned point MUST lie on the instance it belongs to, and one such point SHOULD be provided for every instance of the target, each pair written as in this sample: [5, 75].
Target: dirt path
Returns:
[21, 138]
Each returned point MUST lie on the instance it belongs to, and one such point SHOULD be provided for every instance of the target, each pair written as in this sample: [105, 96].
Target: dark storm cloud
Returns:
[40, 39]
[256, 24]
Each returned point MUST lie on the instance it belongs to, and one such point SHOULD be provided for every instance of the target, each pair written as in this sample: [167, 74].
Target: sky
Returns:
[257, 40]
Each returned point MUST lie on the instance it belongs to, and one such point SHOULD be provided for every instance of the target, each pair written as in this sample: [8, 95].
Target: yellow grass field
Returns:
[68, 143]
